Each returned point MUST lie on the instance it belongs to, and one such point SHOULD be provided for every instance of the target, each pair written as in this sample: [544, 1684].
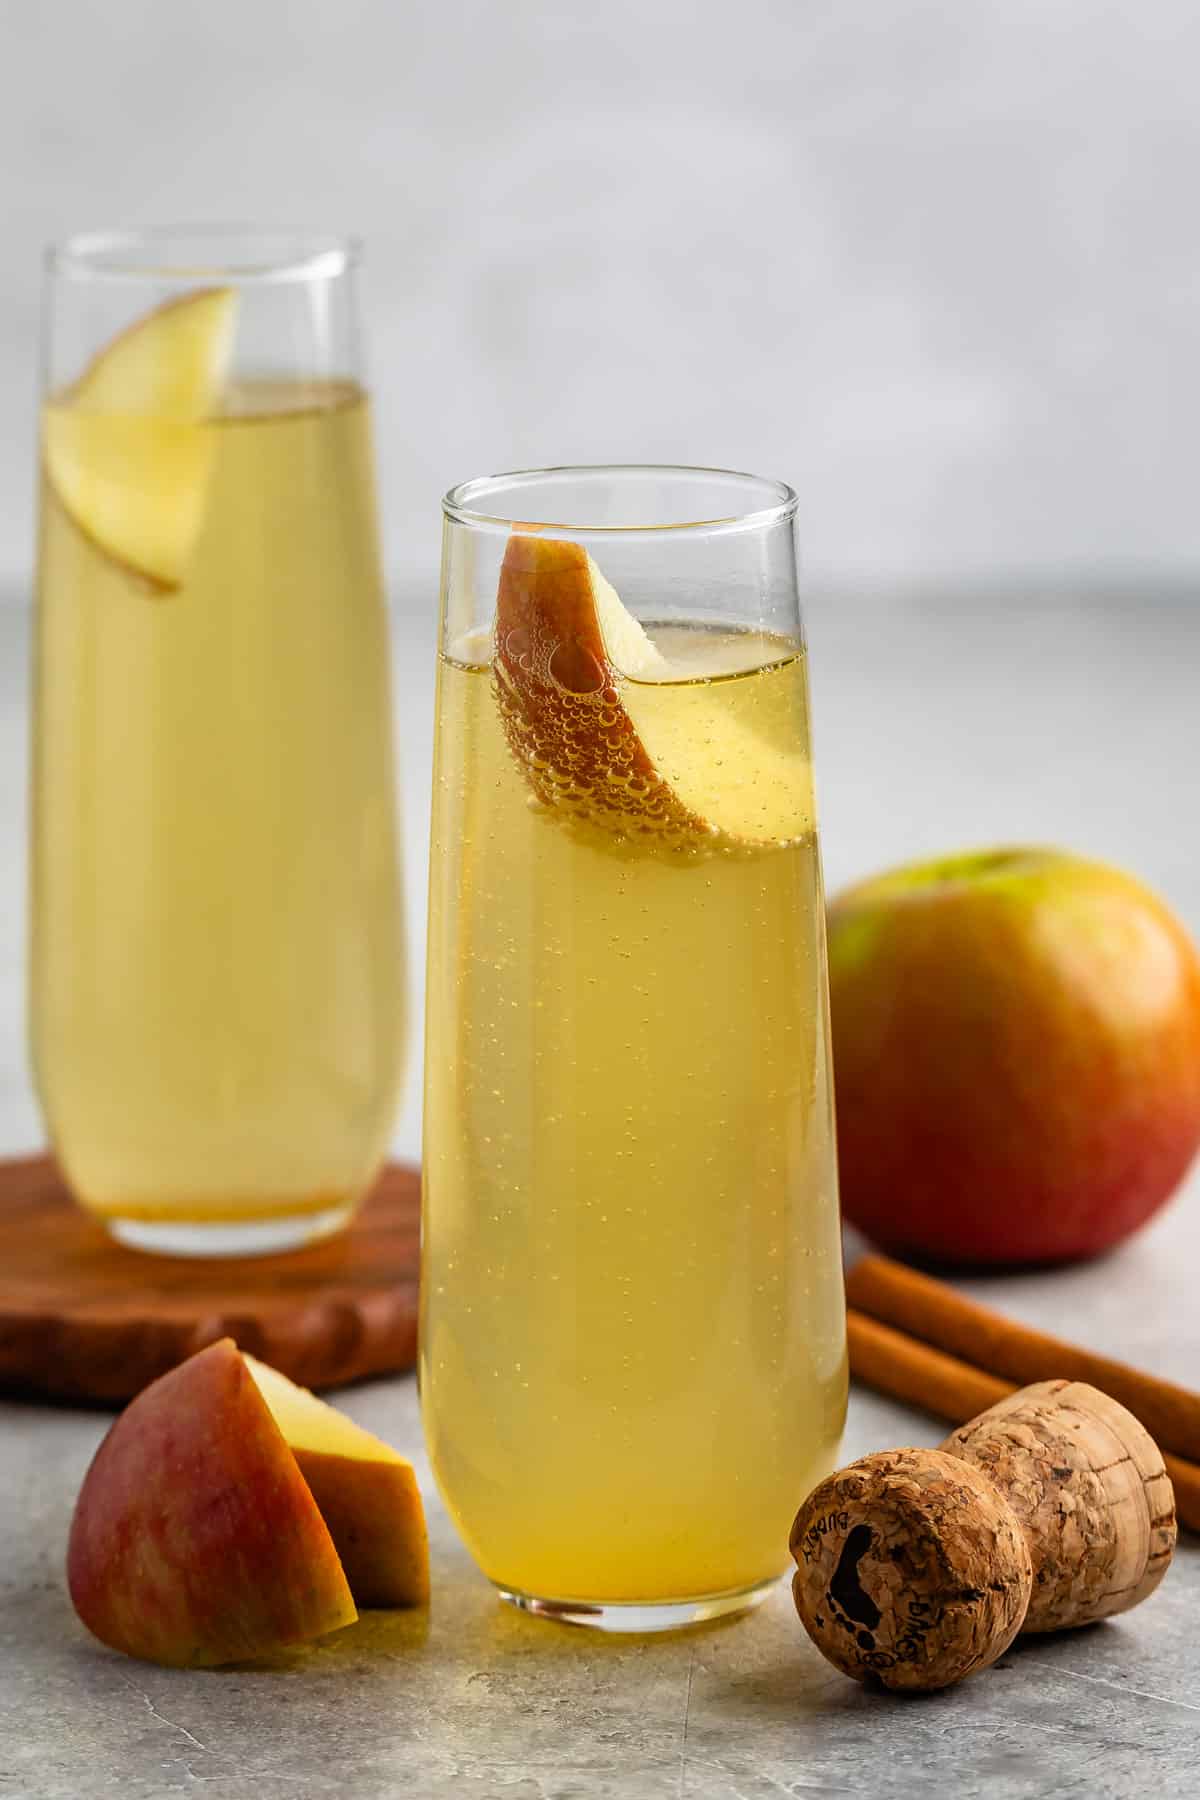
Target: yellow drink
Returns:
[217, 988]
[633, 1361]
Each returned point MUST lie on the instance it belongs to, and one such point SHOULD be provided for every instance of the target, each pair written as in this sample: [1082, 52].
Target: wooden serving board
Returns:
[84, 1318]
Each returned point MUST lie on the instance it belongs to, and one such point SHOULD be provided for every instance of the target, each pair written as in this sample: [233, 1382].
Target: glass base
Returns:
[227, 1237]
[636, 1615]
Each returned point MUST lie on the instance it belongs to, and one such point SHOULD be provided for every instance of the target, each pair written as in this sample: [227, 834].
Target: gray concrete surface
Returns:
[1033, 714]
[477, 1700]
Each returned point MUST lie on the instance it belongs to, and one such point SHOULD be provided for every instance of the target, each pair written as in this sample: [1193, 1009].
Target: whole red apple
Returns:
[1016, 1040]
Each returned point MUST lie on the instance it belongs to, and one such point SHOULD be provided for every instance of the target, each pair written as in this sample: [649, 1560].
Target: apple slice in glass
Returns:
[128, 450]
[580, 686]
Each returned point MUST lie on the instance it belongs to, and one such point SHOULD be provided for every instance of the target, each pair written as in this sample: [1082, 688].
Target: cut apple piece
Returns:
[556, 684]
[367, 1493]
[169, 364]
[579, 686]
[129, 450]
[195, 1539]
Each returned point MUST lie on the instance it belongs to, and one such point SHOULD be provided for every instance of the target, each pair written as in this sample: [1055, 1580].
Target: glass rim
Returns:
[140, 254]
[459, 502]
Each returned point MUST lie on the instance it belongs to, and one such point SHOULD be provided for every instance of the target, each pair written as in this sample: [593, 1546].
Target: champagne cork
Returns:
[1087, 1482]
[919, 1567]
[910, 1566]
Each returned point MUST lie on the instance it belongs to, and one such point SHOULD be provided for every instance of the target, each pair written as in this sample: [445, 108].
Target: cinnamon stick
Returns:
[900, 1365]
[931, 1311]
[918, 1373]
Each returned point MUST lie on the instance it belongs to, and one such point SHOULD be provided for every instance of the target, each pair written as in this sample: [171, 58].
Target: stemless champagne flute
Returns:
[633, 1357]
[217, 958]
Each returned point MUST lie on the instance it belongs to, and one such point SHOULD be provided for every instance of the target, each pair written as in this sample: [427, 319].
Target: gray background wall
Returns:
[937, 264]
[932, 260]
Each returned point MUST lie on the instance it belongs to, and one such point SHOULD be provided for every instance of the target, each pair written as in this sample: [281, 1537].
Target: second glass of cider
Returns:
[633, 1343]
[217, 978]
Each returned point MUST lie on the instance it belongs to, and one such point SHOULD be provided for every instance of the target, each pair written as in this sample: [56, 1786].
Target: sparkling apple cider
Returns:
[217, 985]
[633, 1337]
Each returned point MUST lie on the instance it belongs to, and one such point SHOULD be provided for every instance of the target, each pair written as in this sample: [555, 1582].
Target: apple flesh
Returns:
[1016, 1044]
[366, 1493]
[128, 450]
[196, 1540]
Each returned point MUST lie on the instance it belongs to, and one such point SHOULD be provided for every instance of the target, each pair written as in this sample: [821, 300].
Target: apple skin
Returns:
[1016, 1040]
[195, 1539]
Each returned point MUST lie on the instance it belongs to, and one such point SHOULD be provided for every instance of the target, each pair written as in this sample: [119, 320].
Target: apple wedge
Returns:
[576, 680]
[128, 450]
[196, 1540]
[557, 687]
[367, 1493]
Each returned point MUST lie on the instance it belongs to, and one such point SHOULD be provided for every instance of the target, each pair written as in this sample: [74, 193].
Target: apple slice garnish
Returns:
[128, 450]
[575, 678]
[366, 1492]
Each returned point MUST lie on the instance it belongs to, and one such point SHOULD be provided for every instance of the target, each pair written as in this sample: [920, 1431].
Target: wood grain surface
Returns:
[84, 1318]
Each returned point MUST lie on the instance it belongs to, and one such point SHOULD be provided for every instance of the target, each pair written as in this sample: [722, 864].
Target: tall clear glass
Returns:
[217, 962]
[633, 1359]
